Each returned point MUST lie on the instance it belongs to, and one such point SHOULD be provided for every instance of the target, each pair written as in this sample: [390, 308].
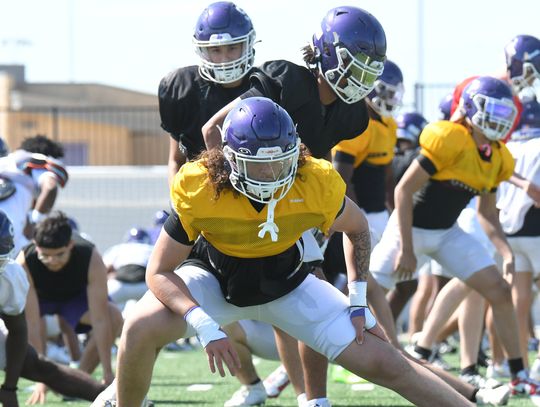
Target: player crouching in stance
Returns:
[248, 204]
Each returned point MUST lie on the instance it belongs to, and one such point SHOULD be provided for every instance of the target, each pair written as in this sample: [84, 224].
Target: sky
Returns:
[134, 43]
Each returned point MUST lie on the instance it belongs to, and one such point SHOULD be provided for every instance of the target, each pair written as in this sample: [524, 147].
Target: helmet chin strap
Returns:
[269, 226]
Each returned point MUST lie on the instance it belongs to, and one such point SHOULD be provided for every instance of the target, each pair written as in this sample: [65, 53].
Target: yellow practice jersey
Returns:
[231, 223]
[375, 146]
[454, 153]
[458, 172]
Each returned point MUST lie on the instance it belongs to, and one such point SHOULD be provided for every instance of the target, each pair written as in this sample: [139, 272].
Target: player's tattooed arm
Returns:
[361, 244]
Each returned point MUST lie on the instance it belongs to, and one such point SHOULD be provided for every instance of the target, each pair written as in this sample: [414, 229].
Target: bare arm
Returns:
[210, 131]
[176, 159]
[174, 294]
[33, 319]
[356, 240]
[529, 187]
[99, 312]
[488, 217]
[161, 279]
[413, 179]
[16, 346]
[47, 196]
[357, 250]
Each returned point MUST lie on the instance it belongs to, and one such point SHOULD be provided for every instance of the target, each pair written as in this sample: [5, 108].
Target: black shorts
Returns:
[246, 282]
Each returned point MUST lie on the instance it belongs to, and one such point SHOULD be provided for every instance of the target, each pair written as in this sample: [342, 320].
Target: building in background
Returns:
[97, 124]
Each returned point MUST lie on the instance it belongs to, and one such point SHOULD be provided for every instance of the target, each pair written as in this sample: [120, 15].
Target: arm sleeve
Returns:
[426, 164]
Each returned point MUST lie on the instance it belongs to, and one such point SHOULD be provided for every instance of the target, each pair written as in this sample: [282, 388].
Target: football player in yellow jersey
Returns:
[364, 162]
[458, 161]
[248, 204]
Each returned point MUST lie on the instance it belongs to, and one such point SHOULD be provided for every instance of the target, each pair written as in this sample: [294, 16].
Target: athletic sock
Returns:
[423, 352]
[516, 366]
[470, 370]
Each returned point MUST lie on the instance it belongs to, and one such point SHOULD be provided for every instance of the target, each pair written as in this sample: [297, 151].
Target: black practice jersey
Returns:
[187, 102]
[295, 88]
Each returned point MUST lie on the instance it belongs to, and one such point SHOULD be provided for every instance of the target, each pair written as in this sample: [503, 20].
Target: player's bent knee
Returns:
[501, 293]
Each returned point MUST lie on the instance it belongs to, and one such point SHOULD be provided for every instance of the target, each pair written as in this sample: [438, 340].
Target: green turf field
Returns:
[176, 371]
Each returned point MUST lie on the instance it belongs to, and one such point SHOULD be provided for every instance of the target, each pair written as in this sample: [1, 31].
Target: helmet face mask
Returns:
[494, 117]
[350, 48]
[388, 98]
[230, 71]
[262, 148]
[267, 176]
[223, 24]
[354, 76]
[489, 107]
[387, 94]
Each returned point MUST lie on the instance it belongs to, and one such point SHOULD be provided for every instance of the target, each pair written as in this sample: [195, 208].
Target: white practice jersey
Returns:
[128, 253]
[13, 289]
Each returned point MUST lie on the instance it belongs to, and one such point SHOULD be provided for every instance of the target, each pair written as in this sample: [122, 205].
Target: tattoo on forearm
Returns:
[361, 250]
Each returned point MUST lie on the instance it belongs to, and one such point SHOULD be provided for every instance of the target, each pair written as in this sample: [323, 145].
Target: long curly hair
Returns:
[219, 169]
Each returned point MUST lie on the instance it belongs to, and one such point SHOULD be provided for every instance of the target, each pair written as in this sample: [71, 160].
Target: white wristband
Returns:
[357, 293]
[36, 216]
[207, 329]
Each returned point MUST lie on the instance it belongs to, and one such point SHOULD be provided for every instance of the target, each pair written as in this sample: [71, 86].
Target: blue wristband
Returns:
[358, 312]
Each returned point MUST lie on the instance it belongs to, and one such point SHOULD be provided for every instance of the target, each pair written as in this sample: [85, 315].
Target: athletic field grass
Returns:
[175, 372]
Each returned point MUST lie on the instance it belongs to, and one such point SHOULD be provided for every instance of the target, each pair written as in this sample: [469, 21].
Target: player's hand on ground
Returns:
[221, 352]
[405, 264]
[38, 396]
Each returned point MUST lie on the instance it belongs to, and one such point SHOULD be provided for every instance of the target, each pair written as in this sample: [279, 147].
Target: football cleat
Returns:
[321, 402]
[478, 381]
[523, 384]
[248, 395]
[276, 382]
[493, 397]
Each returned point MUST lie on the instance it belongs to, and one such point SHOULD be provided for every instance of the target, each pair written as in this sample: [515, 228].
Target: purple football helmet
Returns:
[387, 96]
[445, 106]
[7, 236]
[224, 24]
[523, 61]
[489, 105]
[160, 217]
[262, 147]
[138, 235]
[529, 122]
[351, 50]
[409, 126]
